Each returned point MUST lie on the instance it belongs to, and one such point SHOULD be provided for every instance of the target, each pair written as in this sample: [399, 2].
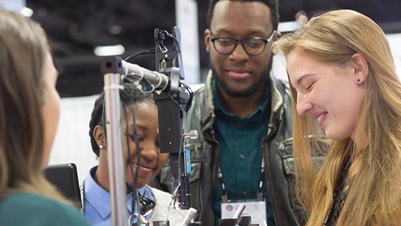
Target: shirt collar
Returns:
[100, 200]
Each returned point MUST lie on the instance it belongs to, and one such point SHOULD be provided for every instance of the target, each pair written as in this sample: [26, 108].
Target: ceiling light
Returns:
[27, 12]
[109, 50]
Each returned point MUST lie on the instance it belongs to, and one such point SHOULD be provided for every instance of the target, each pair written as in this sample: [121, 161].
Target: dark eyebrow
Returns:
[138, 127]
[229, 33]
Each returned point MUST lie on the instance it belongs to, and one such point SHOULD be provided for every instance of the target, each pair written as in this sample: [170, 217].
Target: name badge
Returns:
[253, 208]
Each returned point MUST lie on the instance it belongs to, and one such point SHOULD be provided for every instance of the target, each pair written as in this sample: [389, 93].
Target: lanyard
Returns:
[224, 196]
[336, 193]
[259, 194]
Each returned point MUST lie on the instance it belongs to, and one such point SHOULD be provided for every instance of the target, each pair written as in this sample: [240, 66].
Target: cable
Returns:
[138, 54]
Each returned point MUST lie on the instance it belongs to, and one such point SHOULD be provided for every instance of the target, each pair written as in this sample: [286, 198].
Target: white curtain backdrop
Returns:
[72, 142]
[395, 45]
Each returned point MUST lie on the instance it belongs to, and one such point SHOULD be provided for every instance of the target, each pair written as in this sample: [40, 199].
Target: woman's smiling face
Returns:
[331, 93]
[152, 161]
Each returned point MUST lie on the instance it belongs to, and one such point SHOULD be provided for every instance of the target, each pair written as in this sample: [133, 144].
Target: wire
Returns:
[132, 187]
[190, 92]
[138, 54]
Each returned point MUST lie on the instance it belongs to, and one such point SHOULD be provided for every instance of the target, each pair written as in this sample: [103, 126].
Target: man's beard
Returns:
[254, 88]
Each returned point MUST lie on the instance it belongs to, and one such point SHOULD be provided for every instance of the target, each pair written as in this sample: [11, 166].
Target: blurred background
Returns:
[78, 29]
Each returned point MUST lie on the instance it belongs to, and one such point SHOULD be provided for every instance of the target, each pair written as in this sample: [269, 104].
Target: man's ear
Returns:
[99, 136]
[207, 37]
[361, 68]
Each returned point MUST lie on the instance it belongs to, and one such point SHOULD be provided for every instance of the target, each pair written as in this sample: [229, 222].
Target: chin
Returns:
[45, 163]
[141, 182]
[336, 136]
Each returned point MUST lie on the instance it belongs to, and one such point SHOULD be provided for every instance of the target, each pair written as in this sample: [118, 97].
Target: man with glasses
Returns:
[252, 46]
[243, 117]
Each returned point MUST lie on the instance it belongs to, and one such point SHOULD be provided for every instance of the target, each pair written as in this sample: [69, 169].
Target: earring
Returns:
[358, 80]
[100, 146]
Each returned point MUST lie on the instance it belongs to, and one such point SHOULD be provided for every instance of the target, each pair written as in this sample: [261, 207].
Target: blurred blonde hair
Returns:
[23, 50]
[374, 195]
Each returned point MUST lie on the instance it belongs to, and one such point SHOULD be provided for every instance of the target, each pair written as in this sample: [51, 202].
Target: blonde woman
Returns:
[343, 80]
[29, 113]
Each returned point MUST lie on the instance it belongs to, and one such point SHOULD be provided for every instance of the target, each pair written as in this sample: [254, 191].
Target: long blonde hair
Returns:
[374, 195]
[23, 48]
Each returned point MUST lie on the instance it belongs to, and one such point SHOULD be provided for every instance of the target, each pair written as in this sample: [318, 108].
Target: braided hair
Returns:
[129, 95]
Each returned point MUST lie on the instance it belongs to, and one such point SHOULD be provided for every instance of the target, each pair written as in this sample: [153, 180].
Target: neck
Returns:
[101, 181]
[241, 106]
[102, 173]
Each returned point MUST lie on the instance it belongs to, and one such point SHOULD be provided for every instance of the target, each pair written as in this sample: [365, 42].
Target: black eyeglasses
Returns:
[252, 46]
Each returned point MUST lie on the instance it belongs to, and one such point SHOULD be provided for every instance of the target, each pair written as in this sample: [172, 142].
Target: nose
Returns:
[303, 104]
[239, 52]
[150, 153]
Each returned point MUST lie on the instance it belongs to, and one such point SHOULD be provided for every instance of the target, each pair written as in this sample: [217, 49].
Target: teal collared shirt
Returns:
[241, 152]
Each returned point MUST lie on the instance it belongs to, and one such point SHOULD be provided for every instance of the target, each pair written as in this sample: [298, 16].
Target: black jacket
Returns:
[276, 145]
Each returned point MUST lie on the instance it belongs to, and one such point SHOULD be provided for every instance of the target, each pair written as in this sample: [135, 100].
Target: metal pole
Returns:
[115, 149]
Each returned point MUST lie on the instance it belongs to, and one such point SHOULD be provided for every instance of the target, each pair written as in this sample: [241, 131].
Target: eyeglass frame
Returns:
[242, 41]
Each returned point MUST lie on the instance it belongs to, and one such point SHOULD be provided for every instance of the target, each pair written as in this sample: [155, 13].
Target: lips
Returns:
[321, 118]
[143, 170]
[238, 73]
